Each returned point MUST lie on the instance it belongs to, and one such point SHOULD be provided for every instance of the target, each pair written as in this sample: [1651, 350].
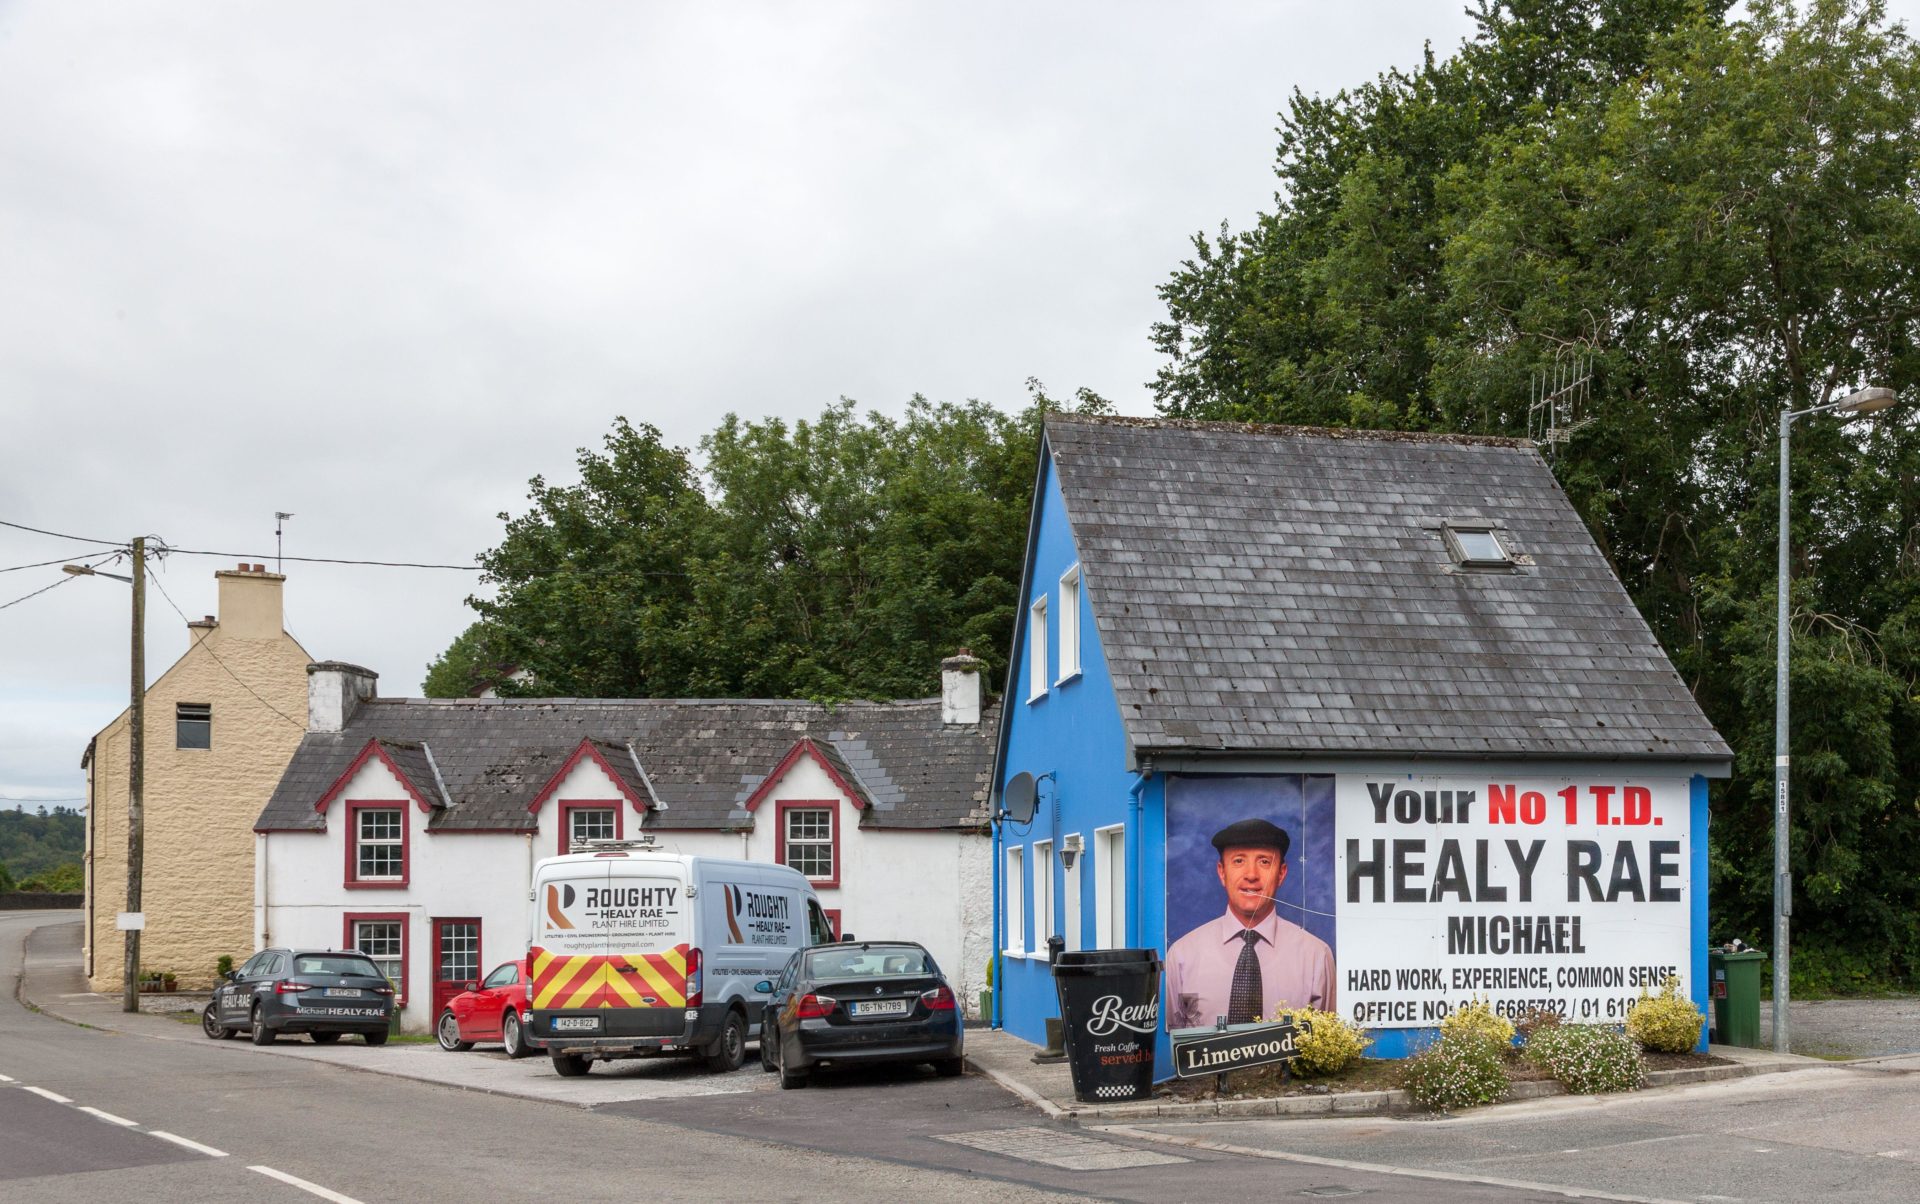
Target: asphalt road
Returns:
[146, 1108]
[159, 1113]
[1827, 1134]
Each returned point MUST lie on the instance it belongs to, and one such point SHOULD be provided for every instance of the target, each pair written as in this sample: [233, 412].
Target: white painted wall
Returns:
[452, 875]
[932, 887]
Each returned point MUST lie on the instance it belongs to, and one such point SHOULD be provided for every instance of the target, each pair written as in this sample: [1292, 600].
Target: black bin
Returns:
[1110, 1007]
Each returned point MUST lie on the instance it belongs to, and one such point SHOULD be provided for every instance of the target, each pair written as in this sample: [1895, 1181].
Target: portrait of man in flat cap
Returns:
[1247, 962]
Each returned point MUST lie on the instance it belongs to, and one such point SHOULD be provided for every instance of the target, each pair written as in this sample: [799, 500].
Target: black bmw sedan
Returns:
[877, 1001]
[320, 992]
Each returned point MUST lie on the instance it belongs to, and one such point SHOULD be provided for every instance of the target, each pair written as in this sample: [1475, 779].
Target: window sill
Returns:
[383, 884]
[1033, 698]
[1073, 676]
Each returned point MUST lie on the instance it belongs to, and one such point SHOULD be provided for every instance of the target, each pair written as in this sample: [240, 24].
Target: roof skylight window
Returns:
[1477, 547]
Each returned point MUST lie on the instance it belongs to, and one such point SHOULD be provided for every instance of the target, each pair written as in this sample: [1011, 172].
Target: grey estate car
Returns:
[320, 992]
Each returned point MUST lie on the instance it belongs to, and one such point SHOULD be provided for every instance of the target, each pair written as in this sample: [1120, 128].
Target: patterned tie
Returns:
[1243, 1006]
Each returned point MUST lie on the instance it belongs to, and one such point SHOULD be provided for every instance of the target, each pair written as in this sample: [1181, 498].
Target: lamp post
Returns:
[1861, 401]
[136, 765]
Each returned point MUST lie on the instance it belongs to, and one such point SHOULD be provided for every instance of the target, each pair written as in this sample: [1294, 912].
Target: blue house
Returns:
[1360, 721]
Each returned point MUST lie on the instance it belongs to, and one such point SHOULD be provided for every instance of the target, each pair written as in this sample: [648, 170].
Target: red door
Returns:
[456, 959]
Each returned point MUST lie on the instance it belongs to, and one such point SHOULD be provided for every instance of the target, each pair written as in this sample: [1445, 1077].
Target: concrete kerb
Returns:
[1007, 1061]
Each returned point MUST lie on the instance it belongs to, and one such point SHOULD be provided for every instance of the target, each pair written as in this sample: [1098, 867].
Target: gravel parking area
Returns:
[1849, 1028]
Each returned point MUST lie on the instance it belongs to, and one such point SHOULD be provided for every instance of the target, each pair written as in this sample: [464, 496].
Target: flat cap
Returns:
[1251, 834]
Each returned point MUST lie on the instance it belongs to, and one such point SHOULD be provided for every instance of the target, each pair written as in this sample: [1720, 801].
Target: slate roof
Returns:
[701, 759]
[1287, 590]
[414, 764]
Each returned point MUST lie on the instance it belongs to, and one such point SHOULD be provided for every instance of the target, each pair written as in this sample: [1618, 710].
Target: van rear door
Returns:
[652, 961]
[567, 959]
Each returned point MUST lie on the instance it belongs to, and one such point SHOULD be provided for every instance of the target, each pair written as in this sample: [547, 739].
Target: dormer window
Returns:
[1477, 547]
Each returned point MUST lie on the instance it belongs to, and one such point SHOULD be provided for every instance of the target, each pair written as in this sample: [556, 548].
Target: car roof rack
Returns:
[599, 845]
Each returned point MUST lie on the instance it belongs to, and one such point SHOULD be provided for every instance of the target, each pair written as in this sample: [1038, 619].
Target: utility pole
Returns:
[136, 770]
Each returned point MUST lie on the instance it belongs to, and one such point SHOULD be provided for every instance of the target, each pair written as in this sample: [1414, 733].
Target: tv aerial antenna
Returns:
[1559, 398]
[280, 518]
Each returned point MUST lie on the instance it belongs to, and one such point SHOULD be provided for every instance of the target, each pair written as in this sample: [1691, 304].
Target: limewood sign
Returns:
[1209, 1051]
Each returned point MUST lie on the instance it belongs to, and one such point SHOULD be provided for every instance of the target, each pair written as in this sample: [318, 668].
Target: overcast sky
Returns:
[378, 264]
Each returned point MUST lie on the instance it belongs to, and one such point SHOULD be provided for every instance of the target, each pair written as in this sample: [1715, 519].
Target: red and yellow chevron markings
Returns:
[633, 978]
[617, 981]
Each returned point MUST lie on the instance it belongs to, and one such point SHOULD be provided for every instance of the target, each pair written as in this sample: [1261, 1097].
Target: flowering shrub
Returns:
[1587, 1058]
[1535, 1020]
[1668, 1022]
[1459, 1070]
[1478, 1017]
[1330, 1047]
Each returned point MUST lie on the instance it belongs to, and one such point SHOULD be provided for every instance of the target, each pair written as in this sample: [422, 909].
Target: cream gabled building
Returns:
[221, 725]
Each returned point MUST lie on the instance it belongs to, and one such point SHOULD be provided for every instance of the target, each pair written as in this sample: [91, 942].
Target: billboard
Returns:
[1395, 898]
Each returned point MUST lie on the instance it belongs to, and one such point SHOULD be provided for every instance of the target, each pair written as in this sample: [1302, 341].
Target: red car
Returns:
[495, 1010]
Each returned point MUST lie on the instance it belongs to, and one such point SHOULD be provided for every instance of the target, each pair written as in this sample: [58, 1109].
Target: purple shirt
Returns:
[1296, 970]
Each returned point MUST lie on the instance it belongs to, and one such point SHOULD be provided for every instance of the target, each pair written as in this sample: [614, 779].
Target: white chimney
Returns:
[335, 691]
[960, 688]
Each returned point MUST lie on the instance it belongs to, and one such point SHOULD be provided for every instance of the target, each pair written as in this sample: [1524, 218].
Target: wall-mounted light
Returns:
[1069, 849]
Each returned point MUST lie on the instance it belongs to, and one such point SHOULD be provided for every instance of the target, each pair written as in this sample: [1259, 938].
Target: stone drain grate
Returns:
[1064, 1150]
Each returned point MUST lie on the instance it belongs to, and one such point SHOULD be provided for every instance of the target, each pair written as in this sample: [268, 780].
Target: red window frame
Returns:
[570, 805]
[833, 919]
[406, 942]
[350, 879]
[832, 808]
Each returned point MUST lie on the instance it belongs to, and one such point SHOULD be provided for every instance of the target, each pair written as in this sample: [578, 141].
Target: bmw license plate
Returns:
[576, 1024]
[341, 993]
[880, 1007]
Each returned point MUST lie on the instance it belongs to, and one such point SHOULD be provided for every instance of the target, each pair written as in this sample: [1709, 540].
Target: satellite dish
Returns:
[1017, 799]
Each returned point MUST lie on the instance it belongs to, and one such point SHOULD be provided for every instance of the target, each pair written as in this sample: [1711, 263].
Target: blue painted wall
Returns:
[1073, 733]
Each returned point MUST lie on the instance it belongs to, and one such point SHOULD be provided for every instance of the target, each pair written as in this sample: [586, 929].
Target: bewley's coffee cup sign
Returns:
[1110, 1016]
[1110, 1008]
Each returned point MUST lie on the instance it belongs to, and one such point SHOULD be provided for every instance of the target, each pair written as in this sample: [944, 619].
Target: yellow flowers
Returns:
[1668, 1022]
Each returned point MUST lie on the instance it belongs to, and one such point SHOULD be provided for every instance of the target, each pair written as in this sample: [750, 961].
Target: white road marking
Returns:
[111, 1119]
[42, 1091]
[1579, 1193]
[176, 1139]
[5, 1079]
[303, 1185]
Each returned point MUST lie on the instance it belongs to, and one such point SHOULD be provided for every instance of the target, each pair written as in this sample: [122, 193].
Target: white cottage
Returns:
[407, 828]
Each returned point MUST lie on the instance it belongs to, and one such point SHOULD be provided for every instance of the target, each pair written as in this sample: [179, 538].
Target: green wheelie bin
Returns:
[1736, 996]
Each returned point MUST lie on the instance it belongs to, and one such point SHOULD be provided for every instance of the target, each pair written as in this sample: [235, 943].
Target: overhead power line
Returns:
[36, 593]
[40, 564]
[250, 557]
[588, 570]
[154, 579]
[112, 543]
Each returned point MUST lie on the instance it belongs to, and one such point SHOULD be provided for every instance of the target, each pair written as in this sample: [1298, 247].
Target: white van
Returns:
[636, 951]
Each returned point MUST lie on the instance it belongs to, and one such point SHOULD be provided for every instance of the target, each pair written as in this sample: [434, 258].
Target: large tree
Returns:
[1719, 218]
[595, 593]
[831, 558]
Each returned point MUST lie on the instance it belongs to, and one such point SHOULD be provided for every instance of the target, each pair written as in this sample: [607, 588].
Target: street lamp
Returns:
[1861, 401]
[136, 766]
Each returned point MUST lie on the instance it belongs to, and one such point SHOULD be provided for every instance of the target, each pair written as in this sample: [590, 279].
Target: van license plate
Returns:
[576, 1024]
[881, 1007]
